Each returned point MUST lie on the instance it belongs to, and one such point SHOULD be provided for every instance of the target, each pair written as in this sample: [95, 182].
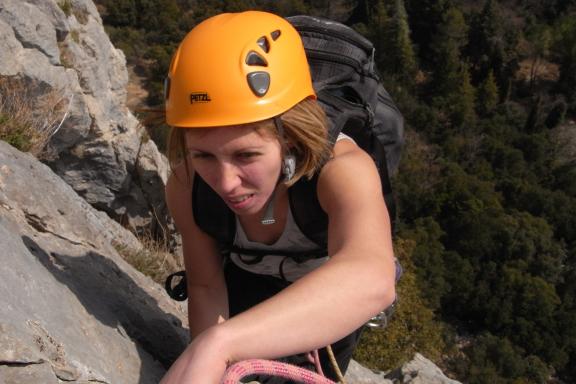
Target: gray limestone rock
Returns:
[420, 370]
[98, 146]
[357, 374]
[32, 28]
[71, 308]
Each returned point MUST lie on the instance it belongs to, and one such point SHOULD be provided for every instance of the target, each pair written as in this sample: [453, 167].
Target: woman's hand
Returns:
[203, 361]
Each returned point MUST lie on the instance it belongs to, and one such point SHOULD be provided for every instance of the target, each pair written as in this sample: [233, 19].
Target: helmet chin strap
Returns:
[268, 216]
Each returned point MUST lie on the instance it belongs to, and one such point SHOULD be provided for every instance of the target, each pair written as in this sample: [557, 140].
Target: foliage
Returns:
[153, 259]
[28, 116]
[564, 47]
[66, 6]
[412, 328]
[488, 94]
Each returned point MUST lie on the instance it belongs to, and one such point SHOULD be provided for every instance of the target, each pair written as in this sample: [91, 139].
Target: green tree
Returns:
[412, 328]
[540, 37]
[488, 95]
[379, 32]
[425, 18]
[492, 46]
[401, 58]
[427, 256]
[120, 13]
[533, 122]
[565, 52]
[450, 37]
[463, 101]
[495, 360]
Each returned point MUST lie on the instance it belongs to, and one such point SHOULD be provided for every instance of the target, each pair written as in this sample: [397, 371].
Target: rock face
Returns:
[71, 309]
[100, 149]
[419, 370]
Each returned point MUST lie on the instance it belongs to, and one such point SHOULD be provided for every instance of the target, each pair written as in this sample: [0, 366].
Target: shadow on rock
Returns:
[115, 300]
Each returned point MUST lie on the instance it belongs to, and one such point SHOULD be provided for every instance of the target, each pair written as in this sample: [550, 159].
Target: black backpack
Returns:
[349, 89]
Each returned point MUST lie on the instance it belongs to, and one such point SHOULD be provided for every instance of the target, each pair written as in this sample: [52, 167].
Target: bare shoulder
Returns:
[349, 179]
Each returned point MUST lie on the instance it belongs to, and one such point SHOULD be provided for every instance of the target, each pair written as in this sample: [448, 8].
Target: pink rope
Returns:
[239, 370]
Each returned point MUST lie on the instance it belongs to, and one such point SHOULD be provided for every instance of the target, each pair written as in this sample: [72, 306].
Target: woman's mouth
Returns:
[240, 202]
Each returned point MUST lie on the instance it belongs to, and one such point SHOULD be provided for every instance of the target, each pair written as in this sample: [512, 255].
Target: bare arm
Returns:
[328, 303]
[207, 298]
[355, 284]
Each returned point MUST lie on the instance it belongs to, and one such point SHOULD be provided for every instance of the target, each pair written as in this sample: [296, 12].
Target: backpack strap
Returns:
[307, 212]
[212, 214]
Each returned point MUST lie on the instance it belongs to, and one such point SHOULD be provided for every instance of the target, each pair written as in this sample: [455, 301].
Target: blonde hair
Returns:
[305, 137]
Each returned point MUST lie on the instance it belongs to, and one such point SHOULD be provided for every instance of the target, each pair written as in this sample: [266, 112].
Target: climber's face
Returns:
[241, 163]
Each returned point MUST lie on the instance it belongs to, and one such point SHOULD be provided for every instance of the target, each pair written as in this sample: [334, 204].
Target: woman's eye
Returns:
[200, 155]
[248, 155]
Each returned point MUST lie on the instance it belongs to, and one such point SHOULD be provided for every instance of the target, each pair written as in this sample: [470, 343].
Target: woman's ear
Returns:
[288, 166]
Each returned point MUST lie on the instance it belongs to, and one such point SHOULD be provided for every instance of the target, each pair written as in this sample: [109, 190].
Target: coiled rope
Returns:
[239, 370]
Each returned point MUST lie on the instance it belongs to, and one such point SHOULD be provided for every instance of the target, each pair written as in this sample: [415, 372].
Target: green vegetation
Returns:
[27, 115]
[412, 328]
[66, 6]
[153, 259]
[487, 184]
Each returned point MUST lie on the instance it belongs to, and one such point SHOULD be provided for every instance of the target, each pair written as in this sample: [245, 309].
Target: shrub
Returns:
[66, 7]
[29, 115]
[154, 259]
[412, 328]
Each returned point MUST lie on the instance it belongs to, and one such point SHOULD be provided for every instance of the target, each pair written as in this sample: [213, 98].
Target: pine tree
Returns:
[492, 46]
[425, 18]
[447, 43]
[379, 32]
[565, 50]
[488, 95]
[463, 101]
[403, 59]
[484, 50]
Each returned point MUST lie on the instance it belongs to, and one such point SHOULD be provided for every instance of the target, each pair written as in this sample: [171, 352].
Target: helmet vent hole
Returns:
[263, 43]
[259, 82]
[276, 34]
[255, 59]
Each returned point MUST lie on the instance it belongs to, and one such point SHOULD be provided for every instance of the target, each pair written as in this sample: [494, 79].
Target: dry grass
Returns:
[154, 260]
[29, 116]
[66, 6]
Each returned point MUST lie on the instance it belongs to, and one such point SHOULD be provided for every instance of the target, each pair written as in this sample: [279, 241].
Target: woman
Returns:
[246, 124]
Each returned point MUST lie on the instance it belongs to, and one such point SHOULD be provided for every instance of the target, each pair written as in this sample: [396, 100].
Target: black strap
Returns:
[258, 254]
[178, 292]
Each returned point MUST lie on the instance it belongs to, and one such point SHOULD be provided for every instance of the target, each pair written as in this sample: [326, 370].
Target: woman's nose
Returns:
[228, 177]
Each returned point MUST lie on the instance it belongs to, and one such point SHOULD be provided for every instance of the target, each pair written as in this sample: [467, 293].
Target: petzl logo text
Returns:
[199, 97]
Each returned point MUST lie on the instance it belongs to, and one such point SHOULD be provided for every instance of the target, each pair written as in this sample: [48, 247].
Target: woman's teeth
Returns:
[240, 199]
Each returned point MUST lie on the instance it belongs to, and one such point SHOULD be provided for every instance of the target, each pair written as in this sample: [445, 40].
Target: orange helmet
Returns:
[236, 68]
